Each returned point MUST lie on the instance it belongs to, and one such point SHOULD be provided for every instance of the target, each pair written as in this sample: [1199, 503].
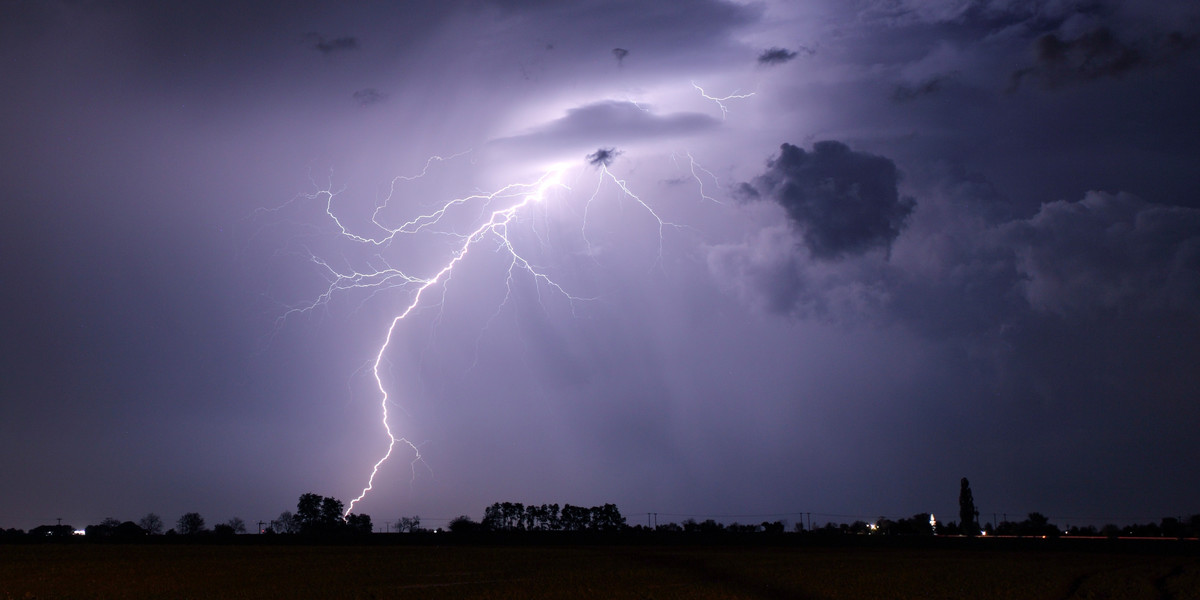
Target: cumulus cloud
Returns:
[843, 202]
[1108, 251]
[771, 273]
[776, 56]
[965, 270]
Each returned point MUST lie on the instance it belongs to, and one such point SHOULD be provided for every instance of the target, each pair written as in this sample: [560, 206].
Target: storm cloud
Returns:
[775, 56]
[844, 202]
[1098, 54]
[609, 121]
[1028, 321]
[1108, 252]
[962, 273]
[603, 157]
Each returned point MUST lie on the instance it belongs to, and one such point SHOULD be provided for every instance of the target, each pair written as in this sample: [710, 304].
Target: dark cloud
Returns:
[603, 157]
[988, 15]
[776, 56]
[620, 54]
[610, 121]
[1098, 54]
[328, 46]
[965, 271]
[844, 202]
[369, 96]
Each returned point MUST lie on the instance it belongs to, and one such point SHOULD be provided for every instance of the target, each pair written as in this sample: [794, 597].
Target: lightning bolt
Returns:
[693, 166]
[721, 101]
[499, 210]
[497, 224]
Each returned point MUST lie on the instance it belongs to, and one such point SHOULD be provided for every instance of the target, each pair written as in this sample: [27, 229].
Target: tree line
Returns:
[515, 517]
[319, 516]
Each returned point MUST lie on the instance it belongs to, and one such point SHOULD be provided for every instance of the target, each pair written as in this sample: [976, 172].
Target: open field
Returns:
[46, 571]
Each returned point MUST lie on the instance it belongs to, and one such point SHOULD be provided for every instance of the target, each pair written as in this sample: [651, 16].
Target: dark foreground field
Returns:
[397, 571]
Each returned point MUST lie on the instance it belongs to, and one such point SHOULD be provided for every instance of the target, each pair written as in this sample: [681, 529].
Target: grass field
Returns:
[46, 571]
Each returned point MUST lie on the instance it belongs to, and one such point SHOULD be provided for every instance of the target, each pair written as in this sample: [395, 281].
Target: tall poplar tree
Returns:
[968, 515]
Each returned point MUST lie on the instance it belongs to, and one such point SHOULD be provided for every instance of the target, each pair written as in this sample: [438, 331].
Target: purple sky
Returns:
[942, 238]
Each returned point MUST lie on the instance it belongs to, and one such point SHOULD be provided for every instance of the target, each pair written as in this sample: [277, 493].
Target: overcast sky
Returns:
[919, 240]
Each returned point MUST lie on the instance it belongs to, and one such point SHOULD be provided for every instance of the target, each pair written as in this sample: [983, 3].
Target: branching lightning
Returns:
[693, 166]
[721, 101]
[496, 224]
[499, 209]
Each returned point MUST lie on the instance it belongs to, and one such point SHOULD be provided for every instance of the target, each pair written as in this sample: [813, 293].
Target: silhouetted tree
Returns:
[968, 515]
[308, 511]
[54, 531]
[552, 516]
[1086, 530]
[1036, 525]
[918, 524]
[575, 518]
[104, 529]
[151, 523]
[319, 515]
[286, 523]
[331, 511]
[504, 516]
[190, 524]
[238, 525]
[950, 528]
[359, 523]
[463, 524]
[775, 527]
[606, 518]
[860, 528]
[408, 524]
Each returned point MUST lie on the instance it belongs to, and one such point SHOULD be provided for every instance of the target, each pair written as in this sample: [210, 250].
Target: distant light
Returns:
[79, 532]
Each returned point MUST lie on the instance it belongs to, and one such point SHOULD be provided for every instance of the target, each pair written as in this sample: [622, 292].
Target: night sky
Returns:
[920, 240]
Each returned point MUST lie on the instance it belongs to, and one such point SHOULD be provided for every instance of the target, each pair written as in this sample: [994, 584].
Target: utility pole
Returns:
[260, 527]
